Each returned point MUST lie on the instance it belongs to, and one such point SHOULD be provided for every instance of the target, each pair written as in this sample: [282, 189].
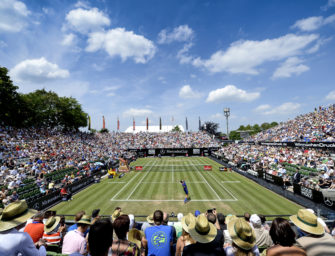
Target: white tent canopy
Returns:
[153, 128]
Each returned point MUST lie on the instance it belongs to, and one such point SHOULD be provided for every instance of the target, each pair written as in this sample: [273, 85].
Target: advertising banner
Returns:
[174, 151]
[207, 167]
[138, 168]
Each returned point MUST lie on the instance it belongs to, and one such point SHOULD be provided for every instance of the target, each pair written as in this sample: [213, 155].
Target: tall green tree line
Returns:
[38, 109]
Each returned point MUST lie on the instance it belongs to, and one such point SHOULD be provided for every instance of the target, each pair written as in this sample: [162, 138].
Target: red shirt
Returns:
[35, 230]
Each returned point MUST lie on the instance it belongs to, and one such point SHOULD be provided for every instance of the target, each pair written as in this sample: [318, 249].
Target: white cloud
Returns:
[110, 88]
[182, 33]
[186, 92]
[231, 93]
[331, 96]
[245, 56]
[13, 15]
[292, 66]
[68, 39]
[119, 42]
[330, 3]
[318, 44]
[262, 107]
[313, 23]
[182, 54]
[217, 116]
[283, 109]
[137, 112]
[85, 21]
[37, 71]
[111, 94]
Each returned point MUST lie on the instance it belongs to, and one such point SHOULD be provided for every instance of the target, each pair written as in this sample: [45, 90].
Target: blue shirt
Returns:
[159, 238]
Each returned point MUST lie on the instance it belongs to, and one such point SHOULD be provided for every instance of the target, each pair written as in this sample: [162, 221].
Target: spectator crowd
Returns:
[25, 231]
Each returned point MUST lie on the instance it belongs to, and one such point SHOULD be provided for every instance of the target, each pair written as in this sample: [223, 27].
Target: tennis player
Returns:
[187, 198]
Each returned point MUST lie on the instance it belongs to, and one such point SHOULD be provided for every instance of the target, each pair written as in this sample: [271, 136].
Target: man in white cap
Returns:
[263, 239]
[13, 242]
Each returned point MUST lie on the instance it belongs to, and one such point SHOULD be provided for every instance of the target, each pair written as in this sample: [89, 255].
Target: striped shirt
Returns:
[52, 238]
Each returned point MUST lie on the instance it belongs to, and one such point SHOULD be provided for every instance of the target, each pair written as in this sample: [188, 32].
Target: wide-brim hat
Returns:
[116, 214]
[15, 214]
[186, 221]
[308, 222]
[150, 219]
[135, 236]
[201, 230]
[51, 224]
[85, 220]
[242, 233]
[230, 218]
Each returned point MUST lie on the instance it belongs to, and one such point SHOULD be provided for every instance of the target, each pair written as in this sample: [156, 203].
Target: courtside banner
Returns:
[207, 167]
[138, 168]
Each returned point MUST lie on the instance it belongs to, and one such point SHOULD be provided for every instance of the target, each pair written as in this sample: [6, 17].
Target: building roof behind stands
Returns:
[153, 128]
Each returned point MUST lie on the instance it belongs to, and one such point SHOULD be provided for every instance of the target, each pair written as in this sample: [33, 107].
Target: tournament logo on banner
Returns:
[138, 168]
[207, 167]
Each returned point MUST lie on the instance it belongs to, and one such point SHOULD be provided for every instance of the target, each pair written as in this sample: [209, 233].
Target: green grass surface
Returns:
[158, 187]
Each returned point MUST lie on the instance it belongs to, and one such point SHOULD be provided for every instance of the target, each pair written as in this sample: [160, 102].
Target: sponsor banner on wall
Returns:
[325, 145]
[207, 167]
[138, 168]
[174, 151]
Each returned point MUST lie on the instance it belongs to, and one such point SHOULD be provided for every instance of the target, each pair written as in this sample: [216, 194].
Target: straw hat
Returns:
[15, 214]
[230, 218]
[150, 219]
[116, 214]
[241, 233]
[308, 222]
[51, 224]
[85, 220]
[135, 236]
[186, 221]
[201, 230]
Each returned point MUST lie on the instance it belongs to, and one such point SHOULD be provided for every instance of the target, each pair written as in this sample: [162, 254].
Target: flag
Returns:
[118, 124]
[103, 122]
[89, 123]
[133, 124]
[160, 123]
[186, 124]
[199, 124]
[147, 124]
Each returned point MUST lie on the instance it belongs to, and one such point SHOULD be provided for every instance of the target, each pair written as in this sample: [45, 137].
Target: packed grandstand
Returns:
[38, 162]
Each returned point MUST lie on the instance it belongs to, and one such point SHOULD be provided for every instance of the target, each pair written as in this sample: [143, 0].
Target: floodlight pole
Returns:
[226, 112]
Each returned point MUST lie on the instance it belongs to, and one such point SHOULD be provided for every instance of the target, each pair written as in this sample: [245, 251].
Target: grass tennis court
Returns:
[158, 187]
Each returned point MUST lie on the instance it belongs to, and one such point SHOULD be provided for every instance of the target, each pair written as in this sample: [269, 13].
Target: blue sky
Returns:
[266, 60]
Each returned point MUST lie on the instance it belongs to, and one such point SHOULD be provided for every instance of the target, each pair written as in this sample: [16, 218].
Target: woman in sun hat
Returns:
[185, 239]
[317, 241]
[204, 233]
[13, 242]
[243, 239]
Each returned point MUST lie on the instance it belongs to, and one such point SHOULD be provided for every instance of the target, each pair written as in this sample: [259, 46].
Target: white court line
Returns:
[231, 181]
[180, 165]
[224, 187]
[172, 174]
[116, 182]
[154, 200]
[167, 182]
[132, 192]
[207, 182]
[129, 182]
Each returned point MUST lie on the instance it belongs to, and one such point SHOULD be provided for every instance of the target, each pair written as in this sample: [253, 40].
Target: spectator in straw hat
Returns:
[243, 239]
[53, 231]
[100, 237]
[117, 212]
[148, 223]
[74, 241]
[13, 242]
[204, 233]
[263, 238]
[185, 239]
[227, 238]
[135, 236]
[317, 241]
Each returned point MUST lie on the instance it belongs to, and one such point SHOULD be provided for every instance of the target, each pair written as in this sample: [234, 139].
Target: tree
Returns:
[9, 100]
[234, 135]
[176, 129]
[104, 130]
[210, 127]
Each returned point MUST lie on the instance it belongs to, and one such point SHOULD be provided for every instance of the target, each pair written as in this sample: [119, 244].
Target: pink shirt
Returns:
[74, 241]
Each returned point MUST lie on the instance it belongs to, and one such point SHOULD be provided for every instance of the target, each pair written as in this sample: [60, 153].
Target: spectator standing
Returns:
[296, 176]
[148, 223]
[74, 241]
[316, 242]
[204, 233]
[100, 237]
[283, 238]
[122, 246]
[158, 239]
[36, 228]
[13, 242]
